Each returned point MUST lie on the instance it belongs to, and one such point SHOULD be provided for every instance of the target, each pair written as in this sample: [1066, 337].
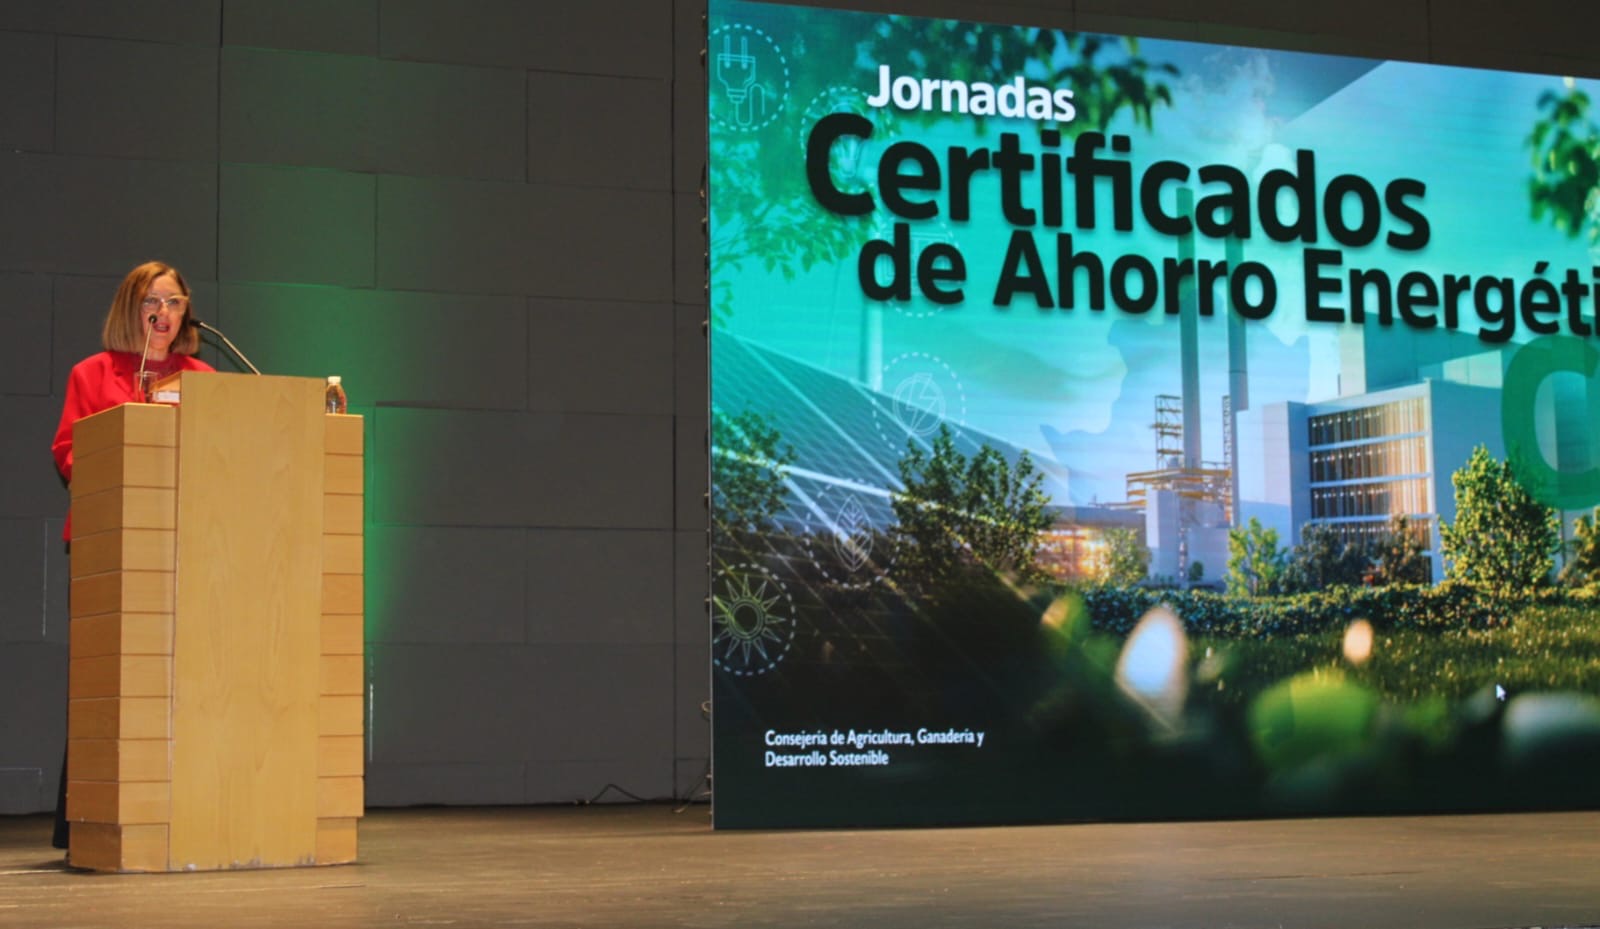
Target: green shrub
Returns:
[1410, 607]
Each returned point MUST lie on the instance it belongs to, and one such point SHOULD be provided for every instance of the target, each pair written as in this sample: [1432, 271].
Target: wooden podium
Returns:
[215, 714]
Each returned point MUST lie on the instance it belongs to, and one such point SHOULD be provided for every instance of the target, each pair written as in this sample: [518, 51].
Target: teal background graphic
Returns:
[818, 623]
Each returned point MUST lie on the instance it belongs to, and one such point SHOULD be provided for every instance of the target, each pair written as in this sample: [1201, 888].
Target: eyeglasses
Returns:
[176, 302]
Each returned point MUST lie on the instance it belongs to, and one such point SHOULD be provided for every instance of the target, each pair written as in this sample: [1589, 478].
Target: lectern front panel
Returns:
[245, 709]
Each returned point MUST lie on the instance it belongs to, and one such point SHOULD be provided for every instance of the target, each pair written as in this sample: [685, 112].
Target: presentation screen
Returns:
[1113, 428]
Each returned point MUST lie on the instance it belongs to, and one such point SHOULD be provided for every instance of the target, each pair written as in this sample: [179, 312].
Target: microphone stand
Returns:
[138, 379]
[231, 347]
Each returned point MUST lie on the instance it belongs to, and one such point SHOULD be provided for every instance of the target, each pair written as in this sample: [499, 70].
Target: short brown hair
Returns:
[124, 330]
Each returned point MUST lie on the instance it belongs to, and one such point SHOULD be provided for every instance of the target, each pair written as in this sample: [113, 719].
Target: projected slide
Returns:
[1110, 428]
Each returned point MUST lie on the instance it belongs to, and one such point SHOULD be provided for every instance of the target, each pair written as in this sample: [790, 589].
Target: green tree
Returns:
[764, 213]
[1583, 555]
[1565, 186]
[954, 511]
[1197, 571]
[1324, 559]
[1125, 561]
[1502, 540]
[749, 462]
[1255, 563]
[1399, 555]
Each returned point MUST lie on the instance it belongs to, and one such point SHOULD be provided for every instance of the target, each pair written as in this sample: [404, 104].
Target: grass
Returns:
[1541, 648]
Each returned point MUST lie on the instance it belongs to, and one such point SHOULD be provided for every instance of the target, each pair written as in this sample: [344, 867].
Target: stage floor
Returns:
[625, 866]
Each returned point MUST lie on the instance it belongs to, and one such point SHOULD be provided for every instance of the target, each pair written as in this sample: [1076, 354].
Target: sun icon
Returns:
[753, 624]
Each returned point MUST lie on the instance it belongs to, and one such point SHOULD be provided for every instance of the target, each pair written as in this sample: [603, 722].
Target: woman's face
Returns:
[165, 301]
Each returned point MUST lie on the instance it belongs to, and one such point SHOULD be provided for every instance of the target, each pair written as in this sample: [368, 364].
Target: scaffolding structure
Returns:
[1209, 482]
[1168, 428]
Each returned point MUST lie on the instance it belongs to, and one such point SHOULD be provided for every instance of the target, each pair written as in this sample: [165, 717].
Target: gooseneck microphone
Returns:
[138, 384]
[231, 347]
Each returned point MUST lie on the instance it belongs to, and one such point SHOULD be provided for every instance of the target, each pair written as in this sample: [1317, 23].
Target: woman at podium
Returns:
[148, 334]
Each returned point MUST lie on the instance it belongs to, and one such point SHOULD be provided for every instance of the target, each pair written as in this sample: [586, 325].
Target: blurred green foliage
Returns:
[1311, 715]
[1565, 186]
[1446, 641]
[1413, 607]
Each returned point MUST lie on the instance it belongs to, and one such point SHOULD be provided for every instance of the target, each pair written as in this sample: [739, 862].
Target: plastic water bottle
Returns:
[336, 401]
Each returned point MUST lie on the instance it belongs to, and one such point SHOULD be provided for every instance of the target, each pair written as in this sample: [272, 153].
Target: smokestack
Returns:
[1238, 378]
[870, 355]
[1189, 338]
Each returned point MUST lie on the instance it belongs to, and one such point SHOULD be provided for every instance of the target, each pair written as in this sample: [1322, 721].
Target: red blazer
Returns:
[101, 382]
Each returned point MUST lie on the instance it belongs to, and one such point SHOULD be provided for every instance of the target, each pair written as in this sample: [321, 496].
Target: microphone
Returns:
[139, 384]
[231, 347]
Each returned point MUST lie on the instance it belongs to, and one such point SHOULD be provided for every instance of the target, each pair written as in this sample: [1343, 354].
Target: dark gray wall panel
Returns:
[56, 580]
[435, 584]
[1400, 44]
[535, 469]
[77, 315]
[691, 387]
[360, 114]
[600, 471]
[449, 703]
[688, 97]
[691, 587]
[1542, 36]
[599, 586]
[196, 22]
[33, 581]
[287, 224]
[347, 27]
[480, 784]
[585, 781]
[189, 21]
[485, 237]
[692, 782]
[692, 472]
[31, 488]
[22, 580]
[622, 37]
[27, 108]
[688, 248]
[450, 120]
[25, 352]
[691, 690]
[103, 215]
[628, 145]
[296, 108]
[586, 356]
[33, 729]
[30, 15]
[1390, 23]
[1054, 13]
[23, 788]
[580, 713]
[136, 100]
[470, 352]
